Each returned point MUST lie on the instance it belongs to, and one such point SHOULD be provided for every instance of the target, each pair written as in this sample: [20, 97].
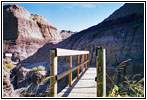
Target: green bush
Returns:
[114, 92]
[41, 68]
[35, 69]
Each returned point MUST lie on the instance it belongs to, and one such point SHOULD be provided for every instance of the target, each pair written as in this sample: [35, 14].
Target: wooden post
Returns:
[53, 72]
[82, 62]
[101, 71]
[85, 60]
[78, 67]
[70, 74]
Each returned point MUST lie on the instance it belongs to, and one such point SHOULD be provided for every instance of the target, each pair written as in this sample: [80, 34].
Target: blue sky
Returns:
[72, 16]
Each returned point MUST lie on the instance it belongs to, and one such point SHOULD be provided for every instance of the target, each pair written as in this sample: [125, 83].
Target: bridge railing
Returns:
[54, 54]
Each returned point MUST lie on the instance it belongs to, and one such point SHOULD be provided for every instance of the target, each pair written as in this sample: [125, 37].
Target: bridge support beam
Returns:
[53, 73]
[101, 72]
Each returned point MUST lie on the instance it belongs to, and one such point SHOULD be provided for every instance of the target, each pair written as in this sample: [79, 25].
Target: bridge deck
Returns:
[85, 86]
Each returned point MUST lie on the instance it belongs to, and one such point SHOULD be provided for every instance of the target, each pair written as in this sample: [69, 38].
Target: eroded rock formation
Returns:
[121, 34]
[66, 34]
[24, 32]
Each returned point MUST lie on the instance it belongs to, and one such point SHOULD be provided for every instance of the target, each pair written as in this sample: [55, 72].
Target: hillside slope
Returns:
[121, 34]
[24, 32]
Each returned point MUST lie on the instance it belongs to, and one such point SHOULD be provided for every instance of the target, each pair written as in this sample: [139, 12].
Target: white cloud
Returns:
[84, 5]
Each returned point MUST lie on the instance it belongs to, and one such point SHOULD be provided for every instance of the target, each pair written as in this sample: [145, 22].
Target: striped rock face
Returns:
[24, 32]
[121, 34]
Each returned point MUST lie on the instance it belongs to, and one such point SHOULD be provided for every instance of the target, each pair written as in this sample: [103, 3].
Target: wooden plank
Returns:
[69, 71]
[81, 88]
[86, 84]
[53, 72]
[90, 90]
[78, 65]
[76, 95]
[100, 65]
[70, 74]
[66, 52]
[89, 76]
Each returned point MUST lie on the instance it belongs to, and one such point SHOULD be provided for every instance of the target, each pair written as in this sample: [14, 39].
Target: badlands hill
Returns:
[24, 32]
[121, 34]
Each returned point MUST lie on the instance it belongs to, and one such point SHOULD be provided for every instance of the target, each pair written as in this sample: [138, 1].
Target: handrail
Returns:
[69, 71]
[67, 52]
[54, 54]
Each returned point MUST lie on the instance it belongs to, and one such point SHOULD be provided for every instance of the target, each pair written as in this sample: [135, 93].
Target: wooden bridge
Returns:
[84, 86]
[89, 83]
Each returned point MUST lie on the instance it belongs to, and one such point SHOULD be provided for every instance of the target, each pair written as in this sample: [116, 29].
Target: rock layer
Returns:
[121, 34]
[24, 32]
[66, 34]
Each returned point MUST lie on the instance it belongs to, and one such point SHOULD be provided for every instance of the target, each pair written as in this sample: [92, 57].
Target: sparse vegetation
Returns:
[129, 87]
[35, 69]
[6, 69]
[34, 17]
[39, 68]
[9, 65]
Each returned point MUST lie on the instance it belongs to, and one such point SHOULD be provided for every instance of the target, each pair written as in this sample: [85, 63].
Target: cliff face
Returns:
[121, 34]
[66, 34]
[49, 32]
[24, 32]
